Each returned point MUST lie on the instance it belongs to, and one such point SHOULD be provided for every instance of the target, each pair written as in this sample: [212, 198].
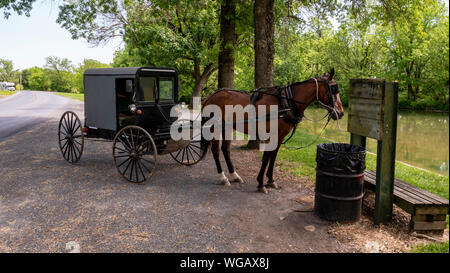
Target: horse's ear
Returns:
[330, 77]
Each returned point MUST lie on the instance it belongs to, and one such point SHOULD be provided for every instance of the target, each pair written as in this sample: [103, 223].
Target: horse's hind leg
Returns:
[215, 149]
[226, 147]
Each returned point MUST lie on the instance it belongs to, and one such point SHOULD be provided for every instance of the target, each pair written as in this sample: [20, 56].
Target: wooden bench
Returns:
[428, 211]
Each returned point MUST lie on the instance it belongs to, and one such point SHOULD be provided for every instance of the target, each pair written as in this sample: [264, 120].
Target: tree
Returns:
[79, 72]
[60, 74]
[19, 6]
[178, 33]
[7, 72]
[228, 40]
[36, 78]
[263, 15]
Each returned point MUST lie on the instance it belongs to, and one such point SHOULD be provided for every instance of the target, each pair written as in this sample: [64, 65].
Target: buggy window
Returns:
[166, 88]
[148, 86]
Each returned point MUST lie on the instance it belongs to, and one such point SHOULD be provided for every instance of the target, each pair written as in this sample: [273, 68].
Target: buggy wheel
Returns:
[70, 137]
[134, 154]
[195, 151]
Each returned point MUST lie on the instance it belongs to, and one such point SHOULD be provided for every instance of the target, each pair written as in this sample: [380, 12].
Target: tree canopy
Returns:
[403, 40]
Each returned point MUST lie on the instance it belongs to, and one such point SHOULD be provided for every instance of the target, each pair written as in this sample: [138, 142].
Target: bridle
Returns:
[332, 90]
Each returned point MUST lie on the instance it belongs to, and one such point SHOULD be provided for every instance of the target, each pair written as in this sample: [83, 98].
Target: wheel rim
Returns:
[192, 153]
[134, 154]
[70, 136]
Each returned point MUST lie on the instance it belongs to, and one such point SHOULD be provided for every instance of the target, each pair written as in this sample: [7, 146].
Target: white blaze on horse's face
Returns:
[338, 105]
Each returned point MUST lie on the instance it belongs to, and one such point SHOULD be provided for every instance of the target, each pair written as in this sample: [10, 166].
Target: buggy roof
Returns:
[116, 71]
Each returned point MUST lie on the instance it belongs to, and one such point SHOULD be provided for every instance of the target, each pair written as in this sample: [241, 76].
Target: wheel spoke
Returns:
[124, 144]
[128, 165]
[132, 138]
[140, 168]
[179, 151]
[143, 165]
[152, 163]
[118, 156]
[79, 152]
[182, 156]
[78, 126]
[194, 151]
[187, 154]
[131, 172]
[67, 126]
[123, 162]
[65, 129]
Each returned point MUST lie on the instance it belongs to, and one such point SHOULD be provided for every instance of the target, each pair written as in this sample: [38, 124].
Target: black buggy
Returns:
[131, 107]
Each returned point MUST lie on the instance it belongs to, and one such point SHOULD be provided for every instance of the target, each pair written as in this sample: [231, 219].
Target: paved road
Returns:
[27, 108]
[47, 203]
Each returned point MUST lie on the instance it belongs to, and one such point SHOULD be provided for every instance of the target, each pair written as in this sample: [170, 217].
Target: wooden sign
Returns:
[366, 107]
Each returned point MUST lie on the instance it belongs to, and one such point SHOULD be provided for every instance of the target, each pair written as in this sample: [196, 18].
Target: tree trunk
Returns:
[264, 47]
[264, 42]
[201, 77]
[227, 43]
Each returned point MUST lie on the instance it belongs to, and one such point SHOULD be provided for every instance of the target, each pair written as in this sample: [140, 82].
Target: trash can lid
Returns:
[341, 148]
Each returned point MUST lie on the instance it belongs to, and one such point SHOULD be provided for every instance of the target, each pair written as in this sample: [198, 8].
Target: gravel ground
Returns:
[45, 203]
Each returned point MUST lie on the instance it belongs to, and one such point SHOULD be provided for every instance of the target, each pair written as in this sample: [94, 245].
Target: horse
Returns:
[293, 99]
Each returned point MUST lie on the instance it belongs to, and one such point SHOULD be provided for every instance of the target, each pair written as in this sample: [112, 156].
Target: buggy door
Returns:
[156, 96]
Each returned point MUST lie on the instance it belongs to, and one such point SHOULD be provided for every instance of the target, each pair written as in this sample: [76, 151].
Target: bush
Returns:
[19, 87]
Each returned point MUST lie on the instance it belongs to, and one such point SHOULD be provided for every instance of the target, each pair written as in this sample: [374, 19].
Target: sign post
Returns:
[373, 114]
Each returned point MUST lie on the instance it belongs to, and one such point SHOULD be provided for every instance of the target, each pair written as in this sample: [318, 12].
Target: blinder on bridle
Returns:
[332, 90]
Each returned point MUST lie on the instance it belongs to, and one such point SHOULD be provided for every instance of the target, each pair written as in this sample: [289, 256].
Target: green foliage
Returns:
[6, 92]
[432, 248]
[19, 6]
[79, 72]
[58, 75]
[7, 72]
[19, 87]
[402, 40]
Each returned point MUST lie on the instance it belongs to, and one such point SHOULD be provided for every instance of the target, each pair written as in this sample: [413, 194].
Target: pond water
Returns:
[422, 138]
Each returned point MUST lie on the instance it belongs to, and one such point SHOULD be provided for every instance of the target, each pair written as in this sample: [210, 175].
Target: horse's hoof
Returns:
[263, 190]
[272, 185]
[226, 182]
[239, 180]
[236, 178]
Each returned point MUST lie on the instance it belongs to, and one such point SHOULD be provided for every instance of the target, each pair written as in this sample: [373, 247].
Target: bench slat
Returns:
[403, 194]
[399, 195]
[435, 199]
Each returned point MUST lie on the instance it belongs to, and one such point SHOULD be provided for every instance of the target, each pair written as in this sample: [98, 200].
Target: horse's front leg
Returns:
[226, 150]
[260, 178]
[270, 182]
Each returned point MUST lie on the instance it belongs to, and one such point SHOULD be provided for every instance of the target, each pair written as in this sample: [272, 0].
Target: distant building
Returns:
[10, 86]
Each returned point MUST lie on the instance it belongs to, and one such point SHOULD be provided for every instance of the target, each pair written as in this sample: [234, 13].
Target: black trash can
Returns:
[339, 181]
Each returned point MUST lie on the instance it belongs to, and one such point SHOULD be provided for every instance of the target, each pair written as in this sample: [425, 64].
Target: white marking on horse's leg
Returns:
[236, 178]
[223, 179]
[272, 185]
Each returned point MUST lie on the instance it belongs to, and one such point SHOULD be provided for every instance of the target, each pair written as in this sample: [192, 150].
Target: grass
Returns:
[431, 248]
[75, 96]
[6, 92]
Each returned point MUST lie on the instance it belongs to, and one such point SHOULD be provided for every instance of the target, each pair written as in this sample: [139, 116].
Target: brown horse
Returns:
[293, 98]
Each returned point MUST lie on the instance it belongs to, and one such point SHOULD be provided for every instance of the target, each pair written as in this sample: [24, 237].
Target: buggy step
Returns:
[428, 211]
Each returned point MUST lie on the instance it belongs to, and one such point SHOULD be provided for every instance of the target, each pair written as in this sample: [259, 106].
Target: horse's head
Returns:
[328, 95]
